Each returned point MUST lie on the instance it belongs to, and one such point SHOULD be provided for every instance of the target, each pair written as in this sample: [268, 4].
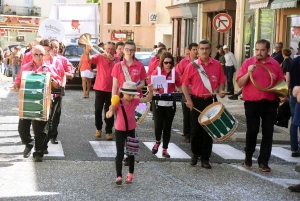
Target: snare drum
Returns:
[218, 122]
[35, 96]
[141, 112]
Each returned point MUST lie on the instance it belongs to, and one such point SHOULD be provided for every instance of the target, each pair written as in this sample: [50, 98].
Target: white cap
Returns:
[225, 47]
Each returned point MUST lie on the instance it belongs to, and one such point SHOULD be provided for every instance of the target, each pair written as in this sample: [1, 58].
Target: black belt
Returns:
[203, 98]
[229, 66]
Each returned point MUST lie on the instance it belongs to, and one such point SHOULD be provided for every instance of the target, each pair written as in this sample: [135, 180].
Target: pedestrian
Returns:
[180, 68]
[40, 136]
[129, 69]
[277, 54]
[286, 53]
[153, 63]
[125, 124]
[7, 63]
[164, 111]
[292, 78]
[86, 72]
[2, 67]
[218, 52]
[119, 51]
[16, 58]
[103, 88]
[230, 64]
[186, 52]
[199, 88]
[259, 105]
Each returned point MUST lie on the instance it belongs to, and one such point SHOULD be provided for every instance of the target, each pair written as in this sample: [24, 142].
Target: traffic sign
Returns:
[222, 22]
[2, 32]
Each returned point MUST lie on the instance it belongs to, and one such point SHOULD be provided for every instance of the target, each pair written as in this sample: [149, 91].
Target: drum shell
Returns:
[141, 112]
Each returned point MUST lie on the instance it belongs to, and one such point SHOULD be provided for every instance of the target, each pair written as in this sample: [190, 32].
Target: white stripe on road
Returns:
[173, 150]
[55, 150]
[8, 127]
[9, 119]
[10, 140]
[283, 154]
[104, 148]
[228, 152]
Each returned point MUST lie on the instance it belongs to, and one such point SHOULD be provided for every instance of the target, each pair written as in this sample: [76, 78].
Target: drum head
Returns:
[210, 113]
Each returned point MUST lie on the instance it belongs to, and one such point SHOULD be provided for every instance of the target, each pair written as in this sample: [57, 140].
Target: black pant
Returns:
[254, 111]
[120, 143]
[186, 117]
[103, 98]
[55, 117]
[229, 76]
[40, 136]
[163, 119]
[201, 142]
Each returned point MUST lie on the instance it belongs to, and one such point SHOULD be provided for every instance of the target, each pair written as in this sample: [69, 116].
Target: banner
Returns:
[52, 29]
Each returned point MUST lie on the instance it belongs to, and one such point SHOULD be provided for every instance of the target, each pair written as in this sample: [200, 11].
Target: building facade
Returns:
[129, 20]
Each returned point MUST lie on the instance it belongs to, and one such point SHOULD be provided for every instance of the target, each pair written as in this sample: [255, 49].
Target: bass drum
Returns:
[141, 112]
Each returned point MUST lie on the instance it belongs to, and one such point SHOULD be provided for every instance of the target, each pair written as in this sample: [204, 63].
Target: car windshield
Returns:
[75, 50]
[144, 57]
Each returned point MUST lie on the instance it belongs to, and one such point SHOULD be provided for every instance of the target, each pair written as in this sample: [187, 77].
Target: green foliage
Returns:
[94, 1]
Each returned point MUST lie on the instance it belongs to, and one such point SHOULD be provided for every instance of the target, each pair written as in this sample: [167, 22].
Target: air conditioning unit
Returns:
[20, 38]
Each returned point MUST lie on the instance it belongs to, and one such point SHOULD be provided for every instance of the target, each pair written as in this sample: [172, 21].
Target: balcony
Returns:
[21, 11]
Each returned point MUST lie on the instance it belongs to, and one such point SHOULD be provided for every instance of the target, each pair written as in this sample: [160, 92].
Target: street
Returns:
[82, 168]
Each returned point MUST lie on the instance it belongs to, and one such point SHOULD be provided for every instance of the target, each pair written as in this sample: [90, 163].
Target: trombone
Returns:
[280, 88]
[85, 39]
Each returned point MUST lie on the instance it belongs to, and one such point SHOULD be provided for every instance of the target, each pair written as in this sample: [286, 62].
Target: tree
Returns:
[94, 1]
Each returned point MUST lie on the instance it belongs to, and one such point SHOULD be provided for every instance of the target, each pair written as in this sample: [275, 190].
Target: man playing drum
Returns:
[199, 83]
[259, 104]
[40, 138]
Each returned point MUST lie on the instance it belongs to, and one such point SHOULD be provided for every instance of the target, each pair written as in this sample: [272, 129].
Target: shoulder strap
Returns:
[124, 114]
[203, 76]
[126, 73]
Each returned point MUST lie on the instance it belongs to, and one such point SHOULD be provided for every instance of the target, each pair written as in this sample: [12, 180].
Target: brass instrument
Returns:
[280, 88]
[85, 39]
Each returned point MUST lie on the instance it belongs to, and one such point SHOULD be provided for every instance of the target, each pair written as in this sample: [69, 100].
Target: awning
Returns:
[278, 4]
[255, 4]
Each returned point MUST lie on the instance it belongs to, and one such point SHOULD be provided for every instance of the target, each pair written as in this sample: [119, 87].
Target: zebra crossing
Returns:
[11, 147]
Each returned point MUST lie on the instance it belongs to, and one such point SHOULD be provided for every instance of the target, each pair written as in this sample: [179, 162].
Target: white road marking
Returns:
[283, 154]
[174, 151]
[228, 152]
[104, 148]
[55, 150]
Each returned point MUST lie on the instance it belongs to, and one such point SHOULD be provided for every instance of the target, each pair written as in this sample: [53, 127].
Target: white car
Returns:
[144, 57]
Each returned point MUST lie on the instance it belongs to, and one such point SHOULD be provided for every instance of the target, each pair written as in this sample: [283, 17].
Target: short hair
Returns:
[160, 45]
[101, 43]
[287, 52]
[204, 42]
[191, 45]
[280, 43]
[119, 44]
[130, 42]
[154, 46]
[160, 50]
[166, 55]
[61, 47]
[46, 42]
[263, 41]
[218, 46]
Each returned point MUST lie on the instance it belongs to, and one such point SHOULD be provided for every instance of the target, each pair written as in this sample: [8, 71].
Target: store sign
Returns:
[19, 21]
[153, 17]
[121, 35]
[247, 38]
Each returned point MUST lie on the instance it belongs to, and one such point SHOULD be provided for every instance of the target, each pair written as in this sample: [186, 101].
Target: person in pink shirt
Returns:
[40, 137]
[119, 51]
[103, 87]
[28, 56]
[123, 128]
[181, 66]
[198, 96]
[164, 111]
[136, 70]
[155, 62]
[259, 105]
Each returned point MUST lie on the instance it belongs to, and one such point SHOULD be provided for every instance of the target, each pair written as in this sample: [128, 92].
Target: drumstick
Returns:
[195, 109]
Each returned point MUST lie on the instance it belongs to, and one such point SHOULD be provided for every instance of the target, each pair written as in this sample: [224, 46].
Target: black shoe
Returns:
[295, 188]
[264, 168]
[27, 151]
[295, 154]
[205, 164]
[37, 158]
[46, 152]
[126, 163]
[233, 97]
[194, 160]
[54, 141]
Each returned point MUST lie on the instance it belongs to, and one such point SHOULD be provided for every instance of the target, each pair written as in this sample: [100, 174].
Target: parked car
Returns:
[144, 57]
[73, 53]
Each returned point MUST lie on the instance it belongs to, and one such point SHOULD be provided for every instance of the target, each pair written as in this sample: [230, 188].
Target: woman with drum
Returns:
[164, 111]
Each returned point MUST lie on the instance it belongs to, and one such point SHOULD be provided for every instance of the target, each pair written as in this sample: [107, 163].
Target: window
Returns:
[127, 13]
[138, 13]
[109, 10]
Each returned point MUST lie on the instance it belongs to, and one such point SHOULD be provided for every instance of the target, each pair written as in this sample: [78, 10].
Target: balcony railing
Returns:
[21, 11]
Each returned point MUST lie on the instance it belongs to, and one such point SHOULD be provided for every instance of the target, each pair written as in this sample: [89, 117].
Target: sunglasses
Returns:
[111, 43]
[168, 62]
[38, 55]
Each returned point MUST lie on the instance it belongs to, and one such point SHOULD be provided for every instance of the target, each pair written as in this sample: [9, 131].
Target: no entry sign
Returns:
[2, 32]
[222, 22]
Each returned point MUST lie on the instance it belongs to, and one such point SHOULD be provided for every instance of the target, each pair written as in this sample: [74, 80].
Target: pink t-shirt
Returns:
[153, 65]
[130, 113]
[261, 77]
[181, 66]
[66, 64]
[171, 86]
[136, 70]
[27, 58]
[58, 66]
[104, 79]
[191, 77]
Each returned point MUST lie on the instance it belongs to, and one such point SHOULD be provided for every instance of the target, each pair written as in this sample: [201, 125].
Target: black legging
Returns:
[120, 143]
